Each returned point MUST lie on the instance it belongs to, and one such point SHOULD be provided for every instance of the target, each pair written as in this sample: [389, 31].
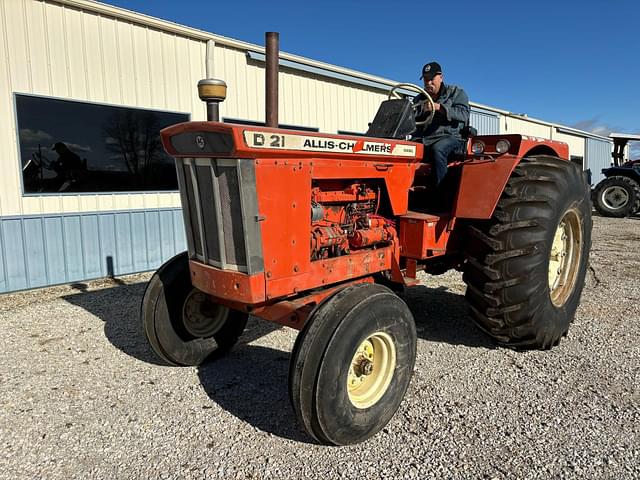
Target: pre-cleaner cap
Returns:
[430, 70]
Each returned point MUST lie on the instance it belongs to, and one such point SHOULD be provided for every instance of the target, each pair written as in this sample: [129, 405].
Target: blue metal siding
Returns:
[153, 247]
[107, 235]
[598, 156]
[35, 254]
[124, 247]
[73, 248]
[42, 250]
[3, 269]
[167, 240]
[54, 250]
[485, 122]
[178, 231]
[14, 243]
[90, 245]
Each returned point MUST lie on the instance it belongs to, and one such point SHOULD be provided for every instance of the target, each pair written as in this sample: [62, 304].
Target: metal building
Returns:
[80, 196]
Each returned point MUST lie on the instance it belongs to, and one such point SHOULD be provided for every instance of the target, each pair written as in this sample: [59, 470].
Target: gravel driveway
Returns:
[82, 395]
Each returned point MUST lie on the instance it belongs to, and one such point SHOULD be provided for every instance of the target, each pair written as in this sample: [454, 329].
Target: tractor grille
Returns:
[220, 211]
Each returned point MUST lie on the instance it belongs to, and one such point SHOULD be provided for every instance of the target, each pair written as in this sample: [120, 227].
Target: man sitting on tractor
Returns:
[441, 137]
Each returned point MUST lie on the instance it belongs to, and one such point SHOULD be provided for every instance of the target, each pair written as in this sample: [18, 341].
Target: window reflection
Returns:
[68, 146]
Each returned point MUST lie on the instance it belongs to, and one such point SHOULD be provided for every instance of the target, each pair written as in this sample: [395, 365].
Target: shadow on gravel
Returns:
[251, 381]
[442, 316]
[595, 213]
[119, 309]
[251, 384]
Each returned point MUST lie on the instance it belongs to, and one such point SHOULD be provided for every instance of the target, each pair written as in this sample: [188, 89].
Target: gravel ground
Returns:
[83, 395]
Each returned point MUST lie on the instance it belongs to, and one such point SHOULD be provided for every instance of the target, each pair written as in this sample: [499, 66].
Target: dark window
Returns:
[577, 159]
[78, 147]
[262, 124]
[355, 134]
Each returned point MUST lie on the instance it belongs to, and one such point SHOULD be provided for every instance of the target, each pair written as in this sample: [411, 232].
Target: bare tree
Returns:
[135, 136]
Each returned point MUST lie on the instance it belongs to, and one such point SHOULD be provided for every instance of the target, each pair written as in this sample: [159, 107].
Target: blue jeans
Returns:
[437, 153]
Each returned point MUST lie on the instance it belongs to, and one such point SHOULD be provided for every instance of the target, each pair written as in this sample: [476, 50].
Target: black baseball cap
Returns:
[430, 70]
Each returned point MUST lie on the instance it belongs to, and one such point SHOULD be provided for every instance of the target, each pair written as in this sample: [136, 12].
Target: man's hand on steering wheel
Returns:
[420, 108]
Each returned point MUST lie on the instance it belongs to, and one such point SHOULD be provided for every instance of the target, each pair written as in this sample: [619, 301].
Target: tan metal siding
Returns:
[64, 52]
[304, 99]
[510, 125]
[576, 143]
[14, 71]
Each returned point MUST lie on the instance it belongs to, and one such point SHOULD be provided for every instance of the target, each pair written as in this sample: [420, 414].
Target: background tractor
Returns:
[320, 232]
[618, 195]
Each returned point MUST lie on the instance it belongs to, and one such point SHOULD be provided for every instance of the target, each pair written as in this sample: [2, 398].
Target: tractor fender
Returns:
[481, 185]
[632, 173]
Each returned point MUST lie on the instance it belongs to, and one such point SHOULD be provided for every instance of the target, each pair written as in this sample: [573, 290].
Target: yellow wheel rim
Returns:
[564, 259]
[371, 370]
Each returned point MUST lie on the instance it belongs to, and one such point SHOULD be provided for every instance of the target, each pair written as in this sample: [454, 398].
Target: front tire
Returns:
[617, 196]
[526, 266]
[352, 363]
[183, 325]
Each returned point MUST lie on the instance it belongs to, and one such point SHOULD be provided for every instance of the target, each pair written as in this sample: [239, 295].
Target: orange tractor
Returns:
[319, 232]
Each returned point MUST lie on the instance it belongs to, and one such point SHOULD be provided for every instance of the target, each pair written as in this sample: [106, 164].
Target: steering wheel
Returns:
[419, 107]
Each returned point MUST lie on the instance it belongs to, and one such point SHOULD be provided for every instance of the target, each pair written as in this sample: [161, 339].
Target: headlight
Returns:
[477, 148]
[502, 146]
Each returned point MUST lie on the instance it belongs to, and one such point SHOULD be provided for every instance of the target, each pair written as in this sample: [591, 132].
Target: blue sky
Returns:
[572, 62]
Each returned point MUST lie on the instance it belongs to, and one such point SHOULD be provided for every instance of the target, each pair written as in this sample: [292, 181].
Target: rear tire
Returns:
[617, 196]
[352, 363]
[183, 325]
[526, 266]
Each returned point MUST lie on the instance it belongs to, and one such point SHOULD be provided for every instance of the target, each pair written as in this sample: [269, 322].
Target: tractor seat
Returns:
[423, 178]
[467, 133]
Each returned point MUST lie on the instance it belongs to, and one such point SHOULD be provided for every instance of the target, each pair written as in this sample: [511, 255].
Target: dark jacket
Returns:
[452, 117]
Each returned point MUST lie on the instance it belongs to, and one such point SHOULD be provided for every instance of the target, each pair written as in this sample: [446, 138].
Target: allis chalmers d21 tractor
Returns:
[319, 232]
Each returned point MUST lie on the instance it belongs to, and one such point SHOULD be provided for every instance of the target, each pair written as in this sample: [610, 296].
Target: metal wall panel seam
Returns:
[115, 263]
[87, 83]
[118, 244]
[149, 66]
[209, 75]
[44, 248]
[118, 59]
[131, 248]
[173, 229]
[4, 252]
[27, 277]
[27, 46]
[160, 235]
[64, 250]
[134, 52]
[46, 44]
[82, 250]
[66, 49]
[102, 63]
[163, 69]
[176, 62]
[146, 236]
[100, 248]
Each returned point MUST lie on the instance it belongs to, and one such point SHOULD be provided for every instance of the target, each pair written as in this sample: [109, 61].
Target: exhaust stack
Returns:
[272, 54]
